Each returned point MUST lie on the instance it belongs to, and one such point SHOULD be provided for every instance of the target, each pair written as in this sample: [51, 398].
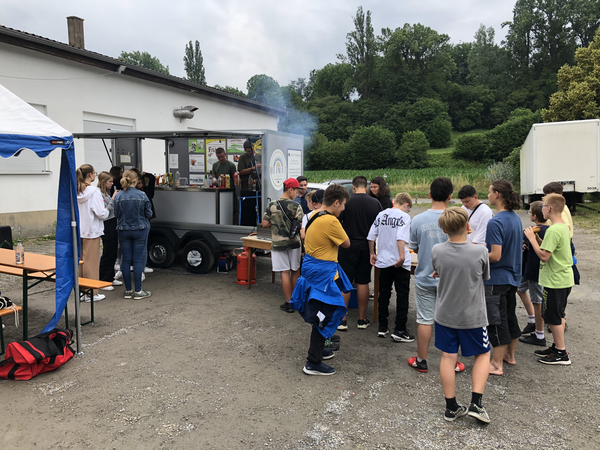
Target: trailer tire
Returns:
[198, 257]
[160, 252]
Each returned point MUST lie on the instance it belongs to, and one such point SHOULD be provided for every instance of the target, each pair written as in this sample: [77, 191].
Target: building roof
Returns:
[61, 50]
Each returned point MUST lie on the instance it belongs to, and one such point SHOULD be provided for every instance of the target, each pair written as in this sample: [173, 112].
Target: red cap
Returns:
[291, 183]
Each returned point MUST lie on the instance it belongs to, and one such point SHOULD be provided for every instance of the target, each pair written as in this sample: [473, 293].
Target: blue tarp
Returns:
[23, 128]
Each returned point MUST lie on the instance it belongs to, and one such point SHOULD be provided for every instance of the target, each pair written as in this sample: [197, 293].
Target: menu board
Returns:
[211, 148]
[235, 148]
[197, 154]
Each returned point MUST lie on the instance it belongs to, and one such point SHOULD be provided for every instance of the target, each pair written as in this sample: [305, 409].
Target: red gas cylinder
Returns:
[242, 268]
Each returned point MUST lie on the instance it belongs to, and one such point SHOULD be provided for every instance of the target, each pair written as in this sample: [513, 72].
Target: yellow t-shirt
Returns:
[323, 237]
[567, 219]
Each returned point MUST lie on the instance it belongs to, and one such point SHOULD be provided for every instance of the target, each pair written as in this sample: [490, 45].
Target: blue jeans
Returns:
[133, 244]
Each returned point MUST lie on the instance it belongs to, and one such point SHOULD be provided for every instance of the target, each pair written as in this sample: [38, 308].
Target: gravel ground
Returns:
[205, 363]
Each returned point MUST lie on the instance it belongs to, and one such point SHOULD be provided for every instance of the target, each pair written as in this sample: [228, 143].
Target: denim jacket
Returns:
[132, 208]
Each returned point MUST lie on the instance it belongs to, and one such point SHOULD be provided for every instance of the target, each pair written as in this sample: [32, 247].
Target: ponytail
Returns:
[510, 199]
[82, 174]
[129, 179]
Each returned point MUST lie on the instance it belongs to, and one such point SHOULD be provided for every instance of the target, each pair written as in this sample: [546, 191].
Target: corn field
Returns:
[413, 181]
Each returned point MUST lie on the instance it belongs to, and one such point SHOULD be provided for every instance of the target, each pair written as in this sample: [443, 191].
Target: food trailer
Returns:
[195, 220]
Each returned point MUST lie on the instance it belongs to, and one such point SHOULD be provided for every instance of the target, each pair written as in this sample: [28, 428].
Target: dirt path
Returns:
[205, 363]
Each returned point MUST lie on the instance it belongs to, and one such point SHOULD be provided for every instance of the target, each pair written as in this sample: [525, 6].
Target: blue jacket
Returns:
[317, 286]
[132, 209]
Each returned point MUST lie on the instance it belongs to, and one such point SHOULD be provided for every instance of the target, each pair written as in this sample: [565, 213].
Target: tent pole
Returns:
[76, 273]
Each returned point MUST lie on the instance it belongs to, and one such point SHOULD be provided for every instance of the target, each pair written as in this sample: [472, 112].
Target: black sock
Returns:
[476, 398]
[561, 352]
[451, 404]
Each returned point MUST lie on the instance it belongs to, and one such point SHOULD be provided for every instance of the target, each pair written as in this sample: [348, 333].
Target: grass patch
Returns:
[586, 219]
[437, 151]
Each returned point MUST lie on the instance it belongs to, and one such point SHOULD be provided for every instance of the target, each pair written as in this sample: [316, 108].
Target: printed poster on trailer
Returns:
[196, 162]
[211, 150]
[235, 148]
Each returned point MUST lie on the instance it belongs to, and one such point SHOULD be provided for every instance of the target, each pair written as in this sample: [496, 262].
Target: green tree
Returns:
[335, 116]
[231, 90]
[265, 89]
[324, 154]
[460, 56]
[330, 80]
[144, 59]
[417, 62]
[372, 148]
[512, 133]
[579, 94]
[361, 51]
[193, 63]
[412, 153]
[487, 61]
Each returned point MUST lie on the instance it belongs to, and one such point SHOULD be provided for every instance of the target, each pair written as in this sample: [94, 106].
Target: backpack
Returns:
[42, 353]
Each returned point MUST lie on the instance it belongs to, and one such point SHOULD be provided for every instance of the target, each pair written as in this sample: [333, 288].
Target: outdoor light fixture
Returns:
[185, 112]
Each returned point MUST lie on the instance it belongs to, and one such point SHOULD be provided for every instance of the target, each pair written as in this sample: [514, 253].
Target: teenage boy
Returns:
[533, 333]
[479, 214]
[460, 311]
[360, 213]
[391, 229]
[318, 293]
[285, 251]
[556, 275]
[424, 234]
[301, 198]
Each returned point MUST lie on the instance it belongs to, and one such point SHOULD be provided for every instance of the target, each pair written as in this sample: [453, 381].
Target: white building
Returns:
[84, 91]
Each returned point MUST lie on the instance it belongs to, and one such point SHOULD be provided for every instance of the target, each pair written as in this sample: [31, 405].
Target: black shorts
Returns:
[356, 266]
[501, 302]
[554, 303]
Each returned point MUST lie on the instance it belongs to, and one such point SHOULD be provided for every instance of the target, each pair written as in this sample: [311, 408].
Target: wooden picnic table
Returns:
[43, 266]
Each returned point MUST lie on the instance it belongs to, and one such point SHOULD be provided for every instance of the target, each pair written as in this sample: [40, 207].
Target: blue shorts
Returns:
[473, 341]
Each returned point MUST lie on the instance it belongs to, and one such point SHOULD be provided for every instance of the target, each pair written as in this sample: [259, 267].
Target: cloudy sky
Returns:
[284, 39]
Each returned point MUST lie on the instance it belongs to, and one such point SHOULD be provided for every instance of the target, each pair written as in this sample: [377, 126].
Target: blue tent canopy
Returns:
[22, 127]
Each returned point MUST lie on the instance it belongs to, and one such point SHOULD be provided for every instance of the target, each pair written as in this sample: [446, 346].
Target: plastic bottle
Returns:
[177, 178]
[19, 253]
[170, 179]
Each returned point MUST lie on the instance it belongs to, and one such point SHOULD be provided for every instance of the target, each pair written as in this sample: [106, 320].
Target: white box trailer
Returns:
[565, 152]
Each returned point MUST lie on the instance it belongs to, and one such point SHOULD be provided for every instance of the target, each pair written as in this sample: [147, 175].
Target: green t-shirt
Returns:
[280, 227]
[557, 273]
[228, 168]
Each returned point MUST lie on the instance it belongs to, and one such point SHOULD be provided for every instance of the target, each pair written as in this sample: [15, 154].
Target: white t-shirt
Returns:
[306, 218]
[390, 226]
[478, 223]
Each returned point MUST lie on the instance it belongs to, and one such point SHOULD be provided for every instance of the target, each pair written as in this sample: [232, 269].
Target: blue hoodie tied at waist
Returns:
[317, 286]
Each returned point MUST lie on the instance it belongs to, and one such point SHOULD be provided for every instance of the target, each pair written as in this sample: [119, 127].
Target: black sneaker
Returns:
[382, 332]
[333, 346]
[451, 416]
[286, 307]
[335, 338]
[318, 369]
[343, 326]
[402, 336]
[363, 324]
[418, 366]
[479, 413]
[556, 359]
[533, 340]
[545, 352]
[327, 354]
[529, 328]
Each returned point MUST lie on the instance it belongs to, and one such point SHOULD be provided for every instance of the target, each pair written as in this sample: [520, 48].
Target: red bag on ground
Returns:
[42, 353]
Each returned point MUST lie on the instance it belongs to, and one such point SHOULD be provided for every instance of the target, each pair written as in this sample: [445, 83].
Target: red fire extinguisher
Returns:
[242, 268]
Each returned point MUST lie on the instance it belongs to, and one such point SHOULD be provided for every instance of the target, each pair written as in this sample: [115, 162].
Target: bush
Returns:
[470, 147]
[445, 160]
[327, 155]
[514, 158]
[371, 148]
[438, 132]
[502, 171]
[512, 133]
[412, 153]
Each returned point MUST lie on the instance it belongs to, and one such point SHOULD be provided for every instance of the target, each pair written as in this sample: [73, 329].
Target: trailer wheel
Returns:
[160, 252]
[198, 257]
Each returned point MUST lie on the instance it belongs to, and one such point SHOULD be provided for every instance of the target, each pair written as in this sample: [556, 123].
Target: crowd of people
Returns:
[471, 265]
[118, 212]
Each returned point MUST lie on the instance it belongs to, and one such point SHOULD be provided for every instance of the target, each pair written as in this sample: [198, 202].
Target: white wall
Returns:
[72, 92]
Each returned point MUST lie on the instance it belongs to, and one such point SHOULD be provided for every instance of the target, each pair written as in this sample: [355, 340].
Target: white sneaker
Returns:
[143, 277]
[99, 297]
[108, 288]
[117, 265]
[117, 282]
[148, 270]
[118, 276]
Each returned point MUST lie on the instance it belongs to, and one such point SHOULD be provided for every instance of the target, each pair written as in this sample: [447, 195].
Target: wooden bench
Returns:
[5, 312]
[86, 287]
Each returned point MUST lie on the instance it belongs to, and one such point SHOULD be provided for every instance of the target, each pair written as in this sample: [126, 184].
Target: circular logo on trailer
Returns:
[277, 169]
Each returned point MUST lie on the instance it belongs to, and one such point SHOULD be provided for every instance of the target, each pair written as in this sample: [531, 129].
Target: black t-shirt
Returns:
[531, 261]
[360, 213]
[386, 202]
